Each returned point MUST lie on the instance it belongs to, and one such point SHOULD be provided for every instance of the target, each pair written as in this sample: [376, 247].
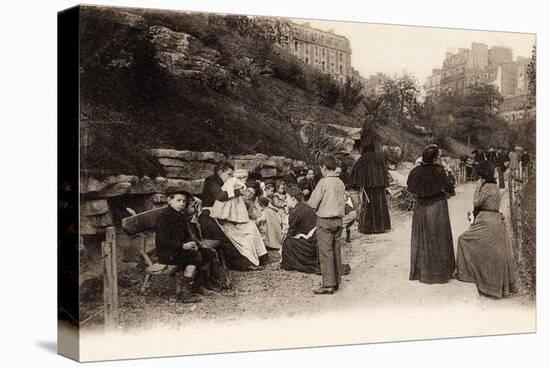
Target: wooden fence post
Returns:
[110, 286]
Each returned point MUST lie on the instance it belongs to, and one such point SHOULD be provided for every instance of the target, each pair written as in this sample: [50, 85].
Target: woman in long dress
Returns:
[484, 255]
[432, 252]
[241, 243]
[370, 175]
[299, 251]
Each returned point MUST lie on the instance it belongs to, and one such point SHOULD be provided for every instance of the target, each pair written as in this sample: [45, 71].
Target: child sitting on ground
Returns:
[279, 197]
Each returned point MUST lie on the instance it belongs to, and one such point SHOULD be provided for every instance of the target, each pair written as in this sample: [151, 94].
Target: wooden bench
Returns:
[136, 225]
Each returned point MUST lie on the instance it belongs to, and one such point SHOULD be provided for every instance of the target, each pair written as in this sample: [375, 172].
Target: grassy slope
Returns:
[248, 119]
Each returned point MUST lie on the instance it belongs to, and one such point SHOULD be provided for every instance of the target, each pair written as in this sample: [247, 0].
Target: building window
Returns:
[341, 70]
[323, 65]
[307, 49]
[340, 57]
[307, 60]
[296, 46]
[323, 52]
[316, 51]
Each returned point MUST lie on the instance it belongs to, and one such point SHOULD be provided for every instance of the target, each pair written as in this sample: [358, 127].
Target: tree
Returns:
[469, 116]
[401, 95]
[351, 95]
[532, 77]
[377, 111]
[328, 91]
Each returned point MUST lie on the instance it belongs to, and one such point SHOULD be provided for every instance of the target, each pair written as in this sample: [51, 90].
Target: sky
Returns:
[393, 48]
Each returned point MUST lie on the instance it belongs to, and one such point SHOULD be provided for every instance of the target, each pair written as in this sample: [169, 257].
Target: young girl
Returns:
[279, 202]
[233, 210]
[279, 197]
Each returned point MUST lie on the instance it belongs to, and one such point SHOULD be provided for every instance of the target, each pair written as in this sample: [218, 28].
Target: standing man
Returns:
[501, 160]
[525, 163]
[513, 167]
[328, 201]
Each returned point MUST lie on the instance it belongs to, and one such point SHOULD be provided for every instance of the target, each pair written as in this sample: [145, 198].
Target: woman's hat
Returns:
[430, 153]
[485, 169]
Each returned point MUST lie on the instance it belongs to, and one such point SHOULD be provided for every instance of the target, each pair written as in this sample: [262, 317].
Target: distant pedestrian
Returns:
[525, 163]
[500, 163]
[513, 166]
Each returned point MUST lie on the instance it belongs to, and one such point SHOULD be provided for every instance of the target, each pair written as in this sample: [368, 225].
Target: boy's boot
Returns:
[348, 235]
[198, 286]
[186, 295]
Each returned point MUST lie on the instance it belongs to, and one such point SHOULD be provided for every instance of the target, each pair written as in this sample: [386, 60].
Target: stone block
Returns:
[94, 207]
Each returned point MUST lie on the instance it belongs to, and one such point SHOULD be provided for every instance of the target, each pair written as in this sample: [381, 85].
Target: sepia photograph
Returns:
[249, 182]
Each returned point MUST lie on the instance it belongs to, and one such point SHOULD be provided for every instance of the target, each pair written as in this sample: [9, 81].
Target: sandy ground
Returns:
[378, 281]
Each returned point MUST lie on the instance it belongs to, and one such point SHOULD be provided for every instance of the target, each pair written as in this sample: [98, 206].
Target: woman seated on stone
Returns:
[241, 243]
[233, 210]
[484, 255]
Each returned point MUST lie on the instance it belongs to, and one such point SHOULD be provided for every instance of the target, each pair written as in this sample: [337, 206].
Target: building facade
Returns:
[433, 83]
[479, 66]
[375, 84]
[456, 67]
[323, 50]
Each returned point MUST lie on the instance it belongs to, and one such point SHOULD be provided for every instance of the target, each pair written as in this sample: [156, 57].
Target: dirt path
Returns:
[379, 281]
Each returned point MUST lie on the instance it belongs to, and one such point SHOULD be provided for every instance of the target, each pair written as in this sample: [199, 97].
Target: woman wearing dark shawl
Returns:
[370, 176]
[299, 251]
[484, 255]
[432, 253]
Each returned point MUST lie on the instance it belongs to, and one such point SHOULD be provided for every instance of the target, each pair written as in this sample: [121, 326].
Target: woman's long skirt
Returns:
[300, 255]
[375, 215]
[484, 256]
[233, 257]
[432, 252]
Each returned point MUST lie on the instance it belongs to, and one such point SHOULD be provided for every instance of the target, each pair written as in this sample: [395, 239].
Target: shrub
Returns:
[216, 78]
[319, 143]
[245, 68]
[351, 95]
[288, 70]
[328, 90]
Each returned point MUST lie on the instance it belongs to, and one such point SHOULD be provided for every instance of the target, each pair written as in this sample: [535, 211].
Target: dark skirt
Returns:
[432, 253]
[300, 255]
[375, 215]
[484, 256]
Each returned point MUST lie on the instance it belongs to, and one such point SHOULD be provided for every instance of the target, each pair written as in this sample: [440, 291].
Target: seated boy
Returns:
[175, 245]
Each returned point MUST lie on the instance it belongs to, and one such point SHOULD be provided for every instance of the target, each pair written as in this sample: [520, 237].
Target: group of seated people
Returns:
[241, 219]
